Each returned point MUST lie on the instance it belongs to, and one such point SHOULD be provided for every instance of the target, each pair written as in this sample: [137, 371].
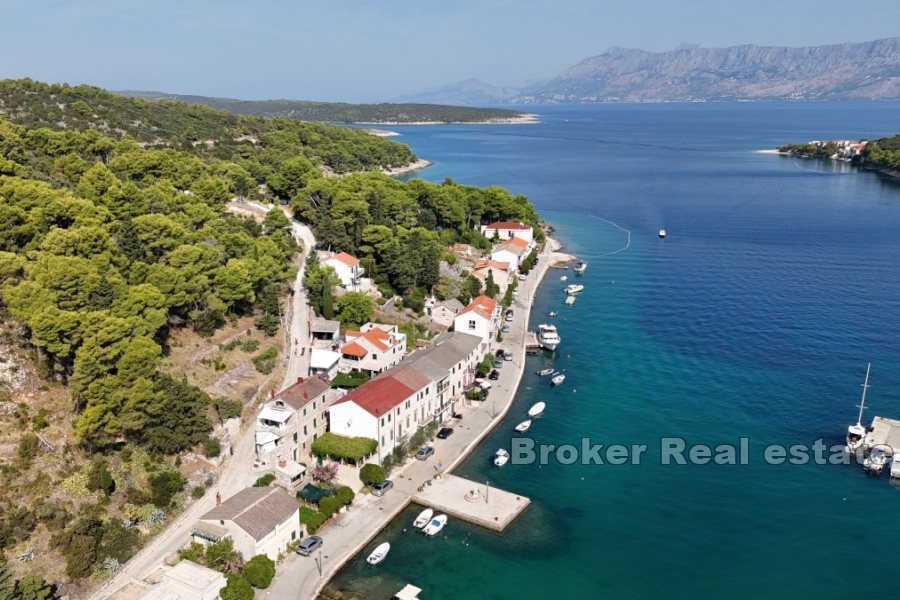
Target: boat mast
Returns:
[862, 403]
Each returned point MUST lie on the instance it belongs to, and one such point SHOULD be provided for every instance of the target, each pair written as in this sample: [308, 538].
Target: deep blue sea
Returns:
[755, 318]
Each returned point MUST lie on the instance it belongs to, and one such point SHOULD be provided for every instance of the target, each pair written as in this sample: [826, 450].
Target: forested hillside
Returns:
[257, 144]
[882, 155]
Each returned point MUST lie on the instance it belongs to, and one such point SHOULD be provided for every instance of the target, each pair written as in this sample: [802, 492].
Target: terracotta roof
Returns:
[491, 264]
[409, 376]
[256, 510]
[376, 336]
[378, 396]
[353, 349]
[508, 225]
[345, 258]
[483, 305]
[515, 245]
[302, 393]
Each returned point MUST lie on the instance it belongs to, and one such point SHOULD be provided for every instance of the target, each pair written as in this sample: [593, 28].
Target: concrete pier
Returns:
[471, 501]
[884, 431]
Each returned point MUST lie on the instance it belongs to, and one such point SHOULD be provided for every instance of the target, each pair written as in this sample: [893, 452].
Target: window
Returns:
[295, 437]
[315, 436]
[314, 405]
[304, 412]
[293, 535]
[472, 324]
[221, 522]
[314, 424]
[304, 430]
[389, 417]
[382, 440]
[374, 357]
[382, 421]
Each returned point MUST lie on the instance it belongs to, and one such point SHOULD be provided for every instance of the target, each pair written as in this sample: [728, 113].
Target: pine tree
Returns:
[327, 301]
[7, 583]
[33, 587]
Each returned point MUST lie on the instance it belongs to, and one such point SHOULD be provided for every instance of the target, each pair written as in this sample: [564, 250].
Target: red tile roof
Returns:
[378, 396]
[354, 349]
[483, 305]
[508, 225]
[299, 394]
[345, 258]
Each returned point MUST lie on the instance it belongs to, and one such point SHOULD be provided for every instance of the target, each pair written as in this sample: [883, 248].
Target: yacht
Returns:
[662, 233]
[436, 524]
[536, 409]
[545, 372]
[574, 288]
[856, 434]
[523, 426]
[581, 267]
[557, 379]
[548, 337]
[501, 457]
[878, 457]
[379, 554]
[423, 518]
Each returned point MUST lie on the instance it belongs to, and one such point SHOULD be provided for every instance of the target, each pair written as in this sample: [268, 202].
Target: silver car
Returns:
[309, 545]
[379, 489]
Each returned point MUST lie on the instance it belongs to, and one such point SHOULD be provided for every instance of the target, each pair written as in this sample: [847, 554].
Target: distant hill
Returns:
[341, 112]
[468, 91]
[869, 70]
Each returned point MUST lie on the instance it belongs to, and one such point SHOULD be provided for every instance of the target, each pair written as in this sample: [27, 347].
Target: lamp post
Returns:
[487, 491]
[319, 563]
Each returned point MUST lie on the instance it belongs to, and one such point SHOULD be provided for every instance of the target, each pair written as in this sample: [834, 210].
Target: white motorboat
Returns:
[570, 300]
[548, 337]
[557, 379]
[552, 314]
[878, 457]
[501, 457]
[563, 278]
[379, 554]
[581, 267]
[574, 288]
[545, 372]
[423, 518]
[856, 434]
[523, 426]
[662, 233]
[436, 524]
[536, 409]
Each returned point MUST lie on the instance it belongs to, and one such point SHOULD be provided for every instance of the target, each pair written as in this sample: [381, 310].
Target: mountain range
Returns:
[850, 71]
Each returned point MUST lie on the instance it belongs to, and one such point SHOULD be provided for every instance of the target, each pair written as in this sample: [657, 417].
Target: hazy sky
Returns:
[380, 49]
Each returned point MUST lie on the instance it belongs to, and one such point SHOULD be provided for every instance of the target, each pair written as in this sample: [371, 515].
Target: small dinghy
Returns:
[436, 524]
[544, 372]
[557, 379]
[523, 426]
[536, 409]
[563, 278]
[581, 267]
[552, 313]
[501, 457]
[379, 554]
[423, 518]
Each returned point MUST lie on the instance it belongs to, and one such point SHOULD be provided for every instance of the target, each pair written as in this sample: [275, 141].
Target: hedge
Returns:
[349, 381]
[344, 495]
[342, 447]
[315, 521]
[329, 505]
[371, 474]
[259, 571]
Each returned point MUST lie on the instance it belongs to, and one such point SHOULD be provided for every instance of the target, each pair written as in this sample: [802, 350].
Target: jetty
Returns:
[472, 501]
[883, 431]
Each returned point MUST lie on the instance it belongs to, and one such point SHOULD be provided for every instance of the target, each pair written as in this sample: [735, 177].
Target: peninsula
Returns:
[881, 155]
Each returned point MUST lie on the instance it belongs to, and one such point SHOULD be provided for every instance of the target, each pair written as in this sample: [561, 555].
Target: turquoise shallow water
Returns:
[755, 318]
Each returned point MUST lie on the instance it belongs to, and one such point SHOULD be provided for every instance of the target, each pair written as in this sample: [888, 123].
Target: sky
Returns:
[377, 50]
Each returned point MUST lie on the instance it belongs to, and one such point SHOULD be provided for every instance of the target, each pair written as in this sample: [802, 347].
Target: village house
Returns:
[325, 333]
[480, 318]
[185, 581]
[505, 230]
[450, 362]
[324, 362]
[259, 520]
[442, 313]
[511, 252]
[347, 268]
[500, 272]
[372, 349]
[289, 423]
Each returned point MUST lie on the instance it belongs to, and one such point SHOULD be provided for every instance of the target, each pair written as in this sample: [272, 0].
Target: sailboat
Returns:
[856, 434]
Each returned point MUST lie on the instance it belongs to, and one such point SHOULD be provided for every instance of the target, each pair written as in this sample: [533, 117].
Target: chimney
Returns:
[299, 380]
[306, 394]
[272, 394]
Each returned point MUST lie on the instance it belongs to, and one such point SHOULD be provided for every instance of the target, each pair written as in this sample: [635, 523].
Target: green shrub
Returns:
[229, 409]
[195, 552]
[259, 571]
[265, 361]
[264, 480]
[99, 478]
[315, 521]
[371, 474]
[343, 447]
[305, 514]
[164, 486]
[212, 447]
[349, 381]
[198, 492]
[344, 495]
[238, 588]
[329, 505]
[222, 556]
[250, 345]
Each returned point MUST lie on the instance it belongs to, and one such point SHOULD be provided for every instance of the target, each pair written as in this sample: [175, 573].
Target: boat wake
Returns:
[617, 226]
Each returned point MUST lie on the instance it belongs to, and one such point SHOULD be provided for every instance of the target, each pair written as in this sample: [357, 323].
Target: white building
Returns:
[347, 268]
[259, 520]
[373, 349]
[500, 271]
[324, 362]
[511, 252]
[480, 318]
[442, 313]
[186, 581]
[506, 230]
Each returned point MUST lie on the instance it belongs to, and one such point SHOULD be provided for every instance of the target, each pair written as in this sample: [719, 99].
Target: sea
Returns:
[748, 327]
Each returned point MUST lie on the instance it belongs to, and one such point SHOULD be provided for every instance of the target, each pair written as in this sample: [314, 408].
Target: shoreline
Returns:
[524, 119]
[418, 165]
[550, 257]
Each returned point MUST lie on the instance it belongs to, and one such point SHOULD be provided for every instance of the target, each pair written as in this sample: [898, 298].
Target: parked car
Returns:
[504, 329]
[509, 317]
[507, 355]
[495, 374]
[424, 452]
[499, 353]
[523, 276]
[379, 489]
[445, 432]
[309, 545]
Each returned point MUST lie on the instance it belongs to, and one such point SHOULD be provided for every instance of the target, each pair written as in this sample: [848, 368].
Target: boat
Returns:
[563, 278]
[570, 300]
[574, 288]
[536, 409]
[436, 524]
[581, 267]
[501, 457]
[545, 372]
[523, 426]
[878, 457]
[856, 434]
[557, 379]
[552, 314]
[662, 233]
[423, 518]
[379, 554]
[548, 337]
